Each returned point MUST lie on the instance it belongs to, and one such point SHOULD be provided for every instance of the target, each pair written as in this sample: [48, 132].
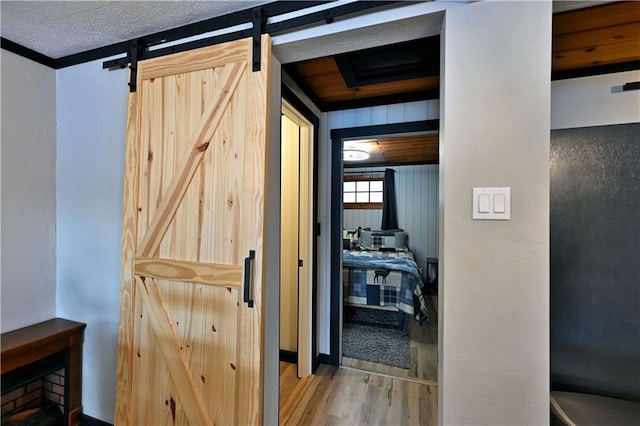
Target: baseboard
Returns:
[288, 356]
[324, 359]
[90, 421]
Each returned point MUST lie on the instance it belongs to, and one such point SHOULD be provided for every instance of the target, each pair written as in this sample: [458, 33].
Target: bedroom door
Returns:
[297, 251]
[190, 343]
[289, 241]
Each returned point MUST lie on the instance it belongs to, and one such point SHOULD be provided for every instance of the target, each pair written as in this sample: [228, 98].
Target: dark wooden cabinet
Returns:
[54, 341]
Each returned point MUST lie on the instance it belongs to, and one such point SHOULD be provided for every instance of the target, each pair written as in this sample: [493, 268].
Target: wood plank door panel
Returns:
[189, 348]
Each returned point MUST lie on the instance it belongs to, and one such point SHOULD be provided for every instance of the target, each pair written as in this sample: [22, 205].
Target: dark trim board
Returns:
[299, 81]
[306, 112]
[634, 85]
[327, 15]
[288, 356]
[384, 129]
[324, 359]
[91, 421]
[388, 164]
[25, 52]
[337, 136]
[595, 70]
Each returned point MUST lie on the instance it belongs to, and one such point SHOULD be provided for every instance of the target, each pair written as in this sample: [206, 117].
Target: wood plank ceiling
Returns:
[583, 40]
[589, 41]
[598, 36]
[396, 150]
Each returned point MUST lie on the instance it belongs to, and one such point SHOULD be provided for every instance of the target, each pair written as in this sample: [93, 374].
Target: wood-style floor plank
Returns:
[423, 344]
[342, 396]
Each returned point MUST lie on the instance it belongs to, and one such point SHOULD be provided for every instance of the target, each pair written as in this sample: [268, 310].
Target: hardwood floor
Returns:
[385, 370]
[342, 396]
[288, 382]
[424, 344]
[365, 393]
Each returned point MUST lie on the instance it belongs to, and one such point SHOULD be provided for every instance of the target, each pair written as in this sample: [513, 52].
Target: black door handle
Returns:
[247, 278]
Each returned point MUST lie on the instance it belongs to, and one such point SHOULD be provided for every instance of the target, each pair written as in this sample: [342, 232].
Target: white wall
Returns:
[417, 204]
[494, 275]
[91, 131]
[28, 192]
[594, 101]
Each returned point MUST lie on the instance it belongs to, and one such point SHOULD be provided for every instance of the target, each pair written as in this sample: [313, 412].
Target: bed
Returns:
[380, 272]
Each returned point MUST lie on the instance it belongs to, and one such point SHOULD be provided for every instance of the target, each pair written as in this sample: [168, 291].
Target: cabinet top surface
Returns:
[56, 328]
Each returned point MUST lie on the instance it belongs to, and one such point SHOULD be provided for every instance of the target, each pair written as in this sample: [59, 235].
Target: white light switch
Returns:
[483, 203]
[498, 203]
[491, 203]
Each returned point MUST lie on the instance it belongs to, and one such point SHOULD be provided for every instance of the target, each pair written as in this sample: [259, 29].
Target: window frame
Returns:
[359, 178]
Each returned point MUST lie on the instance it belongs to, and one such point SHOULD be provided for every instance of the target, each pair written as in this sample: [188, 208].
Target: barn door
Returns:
[190, 334]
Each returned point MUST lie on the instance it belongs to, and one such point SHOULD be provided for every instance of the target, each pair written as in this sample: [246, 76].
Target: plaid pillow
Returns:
[383, 240]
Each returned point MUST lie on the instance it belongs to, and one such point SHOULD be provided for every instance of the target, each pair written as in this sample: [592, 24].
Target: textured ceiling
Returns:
[61, 28]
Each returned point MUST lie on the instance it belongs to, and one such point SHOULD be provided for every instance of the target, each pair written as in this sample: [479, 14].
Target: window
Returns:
[362, 192]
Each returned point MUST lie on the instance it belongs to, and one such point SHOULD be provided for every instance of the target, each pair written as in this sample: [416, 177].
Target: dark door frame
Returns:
[337, 138]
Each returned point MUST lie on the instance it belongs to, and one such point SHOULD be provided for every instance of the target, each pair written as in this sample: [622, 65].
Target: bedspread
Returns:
[384, 278]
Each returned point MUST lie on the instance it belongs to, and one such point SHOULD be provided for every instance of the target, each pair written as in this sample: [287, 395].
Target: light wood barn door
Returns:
[189, 346]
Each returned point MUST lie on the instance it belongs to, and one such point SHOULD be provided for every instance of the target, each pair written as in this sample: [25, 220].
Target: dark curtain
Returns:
[389, 209]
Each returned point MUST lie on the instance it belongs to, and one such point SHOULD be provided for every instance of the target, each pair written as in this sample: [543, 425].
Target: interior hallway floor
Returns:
[344, 396]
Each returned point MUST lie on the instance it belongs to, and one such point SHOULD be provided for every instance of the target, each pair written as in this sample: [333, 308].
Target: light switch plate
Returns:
[491, 203]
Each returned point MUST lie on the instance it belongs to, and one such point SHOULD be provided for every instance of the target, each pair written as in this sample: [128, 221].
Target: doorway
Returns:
[298, 236]
[352, 309]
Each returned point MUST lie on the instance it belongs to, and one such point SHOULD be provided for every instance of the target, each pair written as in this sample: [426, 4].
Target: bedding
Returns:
[384, 278]
[383, 240]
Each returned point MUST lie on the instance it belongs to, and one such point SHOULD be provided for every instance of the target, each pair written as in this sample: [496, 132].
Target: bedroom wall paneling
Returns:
[354, 218]
[28, 192]
[494, 275]
[595, 274]
[417, 199]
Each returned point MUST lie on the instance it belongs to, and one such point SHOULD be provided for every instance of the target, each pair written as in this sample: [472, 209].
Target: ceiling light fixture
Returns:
[354, 154]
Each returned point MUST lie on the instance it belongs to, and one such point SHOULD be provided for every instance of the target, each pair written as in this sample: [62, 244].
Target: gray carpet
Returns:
[373, 335]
